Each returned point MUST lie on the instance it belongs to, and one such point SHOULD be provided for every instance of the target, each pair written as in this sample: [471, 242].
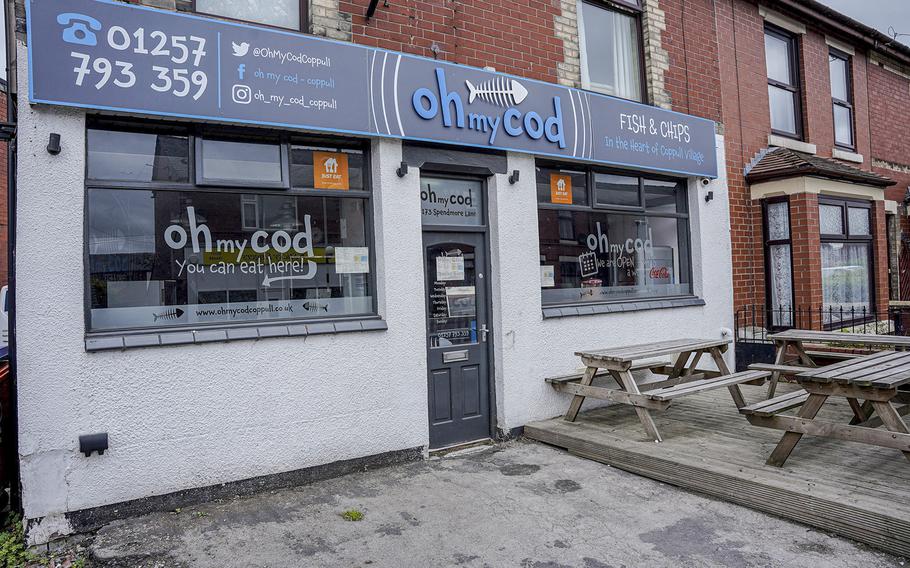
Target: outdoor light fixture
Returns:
[93, 443]
[53, 144]
[402, 170]
[513, 179]
[709, 196]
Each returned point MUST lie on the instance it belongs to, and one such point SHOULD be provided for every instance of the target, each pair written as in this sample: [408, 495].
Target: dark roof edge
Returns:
[868, 36]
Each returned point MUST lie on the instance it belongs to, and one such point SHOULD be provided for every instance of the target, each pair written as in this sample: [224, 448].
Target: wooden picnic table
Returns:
[683, 377]
[796, 339]
[876, 379]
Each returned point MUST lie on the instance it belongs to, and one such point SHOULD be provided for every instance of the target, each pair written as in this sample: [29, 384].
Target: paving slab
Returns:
[519, 504]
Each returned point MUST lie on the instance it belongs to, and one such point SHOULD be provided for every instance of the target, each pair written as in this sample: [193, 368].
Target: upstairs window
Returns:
[610, 48]
[784, 97]
[841, 98]
[289, 14]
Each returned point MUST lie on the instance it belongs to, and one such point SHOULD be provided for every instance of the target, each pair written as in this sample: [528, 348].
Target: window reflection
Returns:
[154, 256]
[136, 156]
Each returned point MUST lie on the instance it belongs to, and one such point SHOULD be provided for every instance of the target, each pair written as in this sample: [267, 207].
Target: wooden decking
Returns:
[857, 491]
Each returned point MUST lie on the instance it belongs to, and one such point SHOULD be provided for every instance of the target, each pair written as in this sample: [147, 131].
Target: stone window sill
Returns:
[620, 307]
[107, 342]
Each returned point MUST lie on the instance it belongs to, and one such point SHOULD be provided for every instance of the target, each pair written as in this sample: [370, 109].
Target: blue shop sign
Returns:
[100, 54]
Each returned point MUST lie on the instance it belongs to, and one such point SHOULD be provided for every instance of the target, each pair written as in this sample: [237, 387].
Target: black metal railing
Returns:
[753, 323]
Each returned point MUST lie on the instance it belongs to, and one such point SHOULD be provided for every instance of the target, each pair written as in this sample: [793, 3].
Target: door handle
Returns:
[483, 333]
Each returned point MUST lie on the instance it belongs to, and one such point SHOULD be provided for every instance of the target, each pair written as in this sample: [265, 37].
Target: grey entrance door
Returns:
[457, 323]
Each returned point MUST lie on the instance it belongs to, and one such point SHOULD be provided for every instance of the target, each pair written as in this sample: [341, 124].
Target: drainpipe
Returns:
[10, 421]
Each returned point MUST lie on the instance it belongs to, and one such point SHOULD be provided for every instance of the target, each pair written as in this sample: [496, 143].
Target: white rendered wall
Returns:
[529, 348]
[196, 415]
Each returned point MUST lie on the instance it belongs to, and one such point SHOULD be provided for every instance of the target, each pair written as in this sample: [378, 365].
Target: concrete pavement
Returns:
[519, 504]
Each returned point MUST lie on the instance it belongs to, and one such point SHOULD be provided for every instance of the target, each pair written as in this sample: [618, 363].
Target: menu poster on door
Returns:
[461, 301]
[449, 268]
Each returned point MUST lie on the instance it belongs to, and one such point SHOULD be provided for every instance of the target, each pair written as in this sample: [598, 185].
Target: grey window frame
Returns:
[796, 87]
[848, 104]
[683, 229]
[196, 131]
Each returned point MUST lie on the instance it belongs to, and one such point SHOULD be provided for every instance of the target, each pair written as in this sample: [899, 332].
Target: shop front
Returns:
[261, 255]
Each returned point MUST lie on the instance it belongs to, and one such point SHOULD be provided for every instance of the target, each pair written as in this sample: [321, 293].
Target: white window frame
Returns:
[586, 82]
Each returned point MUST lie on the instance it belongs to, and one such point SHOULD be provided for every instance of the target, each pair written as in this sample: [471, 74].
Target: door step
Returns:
[462, 448]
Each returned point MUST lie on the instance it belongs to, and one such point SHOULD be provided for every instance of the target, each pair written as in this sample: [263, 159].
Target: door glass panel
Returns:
[451, 273]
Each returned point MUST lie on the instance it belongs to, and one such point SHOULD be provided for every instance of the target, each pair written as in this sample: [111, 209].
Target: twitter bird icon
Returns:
[240, 49]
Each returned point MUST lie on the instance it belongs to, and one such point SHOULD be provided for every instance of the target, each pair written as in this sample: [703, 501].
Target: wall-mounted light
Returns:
[53, 144]
[402, 170]
[513, 179]
[709, 196]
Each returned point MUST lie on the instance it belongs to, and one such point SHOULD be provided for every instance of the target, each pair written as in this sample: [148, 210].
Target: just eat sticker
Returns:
[330, 170]
[561, 189]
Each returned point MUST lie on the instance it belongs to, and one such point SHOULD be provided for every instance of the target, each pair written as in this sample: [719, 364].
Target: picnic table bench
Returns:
[683, 377]
[797, 340]
[876, 379]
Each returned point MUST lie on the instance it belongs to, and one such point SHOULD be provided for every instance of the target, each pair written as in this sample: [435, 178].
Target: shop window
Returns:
[138, 156]
[779, 264]
[169, 255]
[289, 14]
[782, 64]
[846, 259]
[243, 164]
[610, 49]
[841, 97]
[631, 244]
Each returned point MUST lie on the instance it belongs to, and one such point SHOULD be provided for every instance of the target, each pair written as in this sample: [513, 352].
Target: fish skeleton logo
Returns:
[499, 91]
[240, 49]
[169, 315]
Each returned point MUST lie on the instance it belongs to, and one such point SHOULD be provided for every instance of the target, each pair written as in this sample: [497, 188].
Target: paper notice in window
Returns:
[547, 277]
[449, 268]
[352, 260]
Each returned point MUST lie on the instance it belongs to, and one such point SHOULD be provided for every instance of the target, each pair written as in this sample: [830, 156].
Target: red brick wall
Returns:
[514, 36]
[806, 250]
[743, 90]
[880, 257]
[745, 112]
[690, 40]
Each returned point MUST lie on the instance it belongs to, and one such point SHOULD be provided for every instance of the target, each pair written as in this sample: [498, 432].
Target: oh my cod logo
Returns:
[499, 92]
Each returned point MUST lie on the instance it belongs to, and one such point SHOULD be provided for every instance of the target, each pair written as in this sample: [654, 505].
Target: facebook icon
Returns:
[241, 71]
